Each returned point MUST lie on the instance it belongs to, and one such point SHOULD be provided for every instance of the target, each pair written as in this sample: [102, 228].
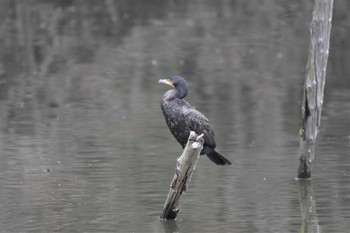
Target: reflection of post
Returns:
[170, 226]
[308, 208]
[25, 33]
[183, 173]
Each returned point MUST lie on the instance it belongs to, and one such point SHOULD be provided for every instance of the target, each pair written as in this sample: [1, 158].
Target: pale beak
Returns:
[166, 81]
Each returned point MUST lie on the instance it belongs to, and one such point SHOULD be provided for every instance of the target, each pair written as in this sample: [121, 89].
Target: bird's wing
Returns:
[197, 122]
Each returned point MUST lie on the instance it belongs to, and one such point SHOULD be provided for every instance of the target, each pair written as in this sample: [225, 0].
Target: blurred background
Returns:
[83, 143]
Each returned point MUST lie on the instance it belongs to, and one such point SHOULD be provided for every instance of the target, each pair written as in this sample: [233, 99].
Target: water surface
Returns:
[85, 148]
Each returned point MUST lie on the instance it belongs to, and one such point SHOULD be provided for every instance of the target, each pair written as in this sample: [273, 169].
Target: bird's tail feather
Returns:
[218, 158]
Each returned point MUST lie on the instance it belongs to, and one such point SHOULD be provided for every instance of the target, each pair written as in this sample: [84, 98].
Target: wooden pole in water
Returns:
[314, 85]
[185, 166]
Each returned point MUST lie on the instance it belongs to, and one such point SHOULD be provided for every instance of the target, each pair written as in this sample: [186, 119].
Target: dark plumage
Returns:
[181, 118]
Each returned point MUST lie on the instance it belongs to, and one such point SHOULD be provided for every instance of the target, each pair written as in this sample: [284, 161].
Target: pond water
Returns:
[83, 143]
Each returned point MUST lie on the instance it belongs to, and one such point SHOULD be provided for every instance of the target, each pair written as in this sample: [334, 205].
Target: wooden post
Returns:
[185, 166]
[314, 85]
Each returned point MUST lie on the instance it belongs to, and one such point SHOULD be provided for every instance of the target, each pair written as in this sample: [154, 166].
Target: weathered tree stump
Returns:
[185, 166]
[314, 84]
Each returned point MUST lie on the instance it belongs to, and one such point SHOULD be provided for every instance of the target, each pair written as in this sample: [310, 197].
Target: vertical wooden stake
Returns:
[314, 84]
[185, 166]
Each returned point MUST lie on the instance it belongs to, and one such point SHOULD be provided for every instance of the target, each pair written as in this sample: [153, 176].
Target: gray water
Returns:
[85, 148]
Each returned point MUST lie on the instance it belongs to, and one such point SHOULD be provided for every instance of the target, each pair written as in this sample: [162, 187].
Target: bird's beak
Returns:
[166, 81]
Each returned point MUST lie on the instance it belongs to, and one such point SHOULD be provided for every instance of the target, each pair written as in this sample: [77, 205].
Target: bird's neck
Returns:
[175, 94]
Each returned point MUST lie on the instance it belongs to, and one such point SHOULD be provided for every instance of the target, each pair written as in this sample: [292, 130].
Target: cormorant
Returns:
[181, 118]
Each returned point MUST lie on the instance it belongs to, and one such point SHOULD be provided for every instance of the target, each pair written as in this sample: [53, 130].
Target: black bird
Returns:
[181, 119]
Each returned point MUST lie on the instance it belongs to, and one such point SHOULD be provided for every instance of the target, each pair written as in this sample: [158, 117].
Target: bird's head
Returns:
[177, 82]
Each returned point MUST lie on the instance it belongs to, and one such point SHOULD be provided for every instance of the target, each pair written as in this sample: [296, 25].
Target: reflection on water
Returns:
[170, 226]
[84, 146]
[308, 208]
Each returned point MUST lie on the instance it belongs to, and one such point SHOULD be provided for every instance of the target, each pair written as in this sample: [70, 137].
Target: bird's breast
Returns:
[176, 121]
